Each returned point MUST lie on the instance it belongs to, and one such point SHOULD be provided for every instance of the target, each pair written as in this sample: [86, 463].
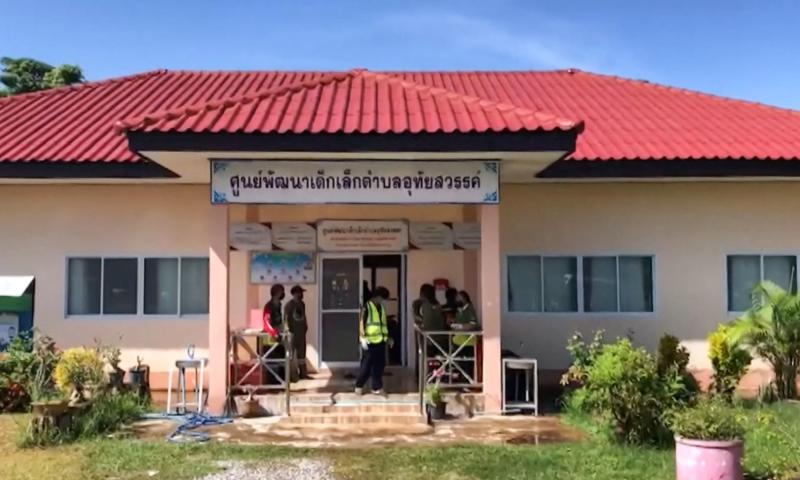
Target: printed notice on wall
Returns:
[467, 236]
[364, 182]
[294, 237]
[362, 236]
[250, 236]
[430, 236]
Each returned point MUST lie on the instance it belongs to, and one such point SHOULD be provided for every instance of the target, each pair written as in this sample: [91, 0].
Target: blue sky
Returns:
[734, 48]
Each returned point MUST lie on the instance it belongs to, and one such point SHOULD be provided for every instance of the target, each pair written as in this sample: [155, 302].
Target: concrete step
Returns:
[382, 418]
[354, 408]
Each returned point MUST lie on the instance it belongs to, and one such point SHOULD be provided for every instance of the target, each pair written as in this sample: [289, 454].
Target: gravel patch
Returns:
[295, 469]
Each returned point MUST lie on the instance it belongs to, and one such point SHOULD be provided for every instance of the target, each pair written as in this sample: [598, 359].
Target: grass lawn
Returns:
[596, 459]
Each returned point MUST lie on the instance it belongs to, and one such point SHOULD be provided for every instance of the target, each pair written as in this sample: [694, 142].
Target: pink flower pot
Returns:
[708, 459]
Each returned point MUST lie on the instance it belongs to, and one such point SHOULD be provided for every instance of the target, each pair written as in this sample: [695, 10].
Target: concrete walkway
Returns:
[480, 429]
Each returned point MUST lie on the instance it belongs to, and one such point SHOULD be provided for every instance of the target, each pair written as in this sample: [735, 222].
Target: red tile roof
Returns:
[622, 119]
[357, 101]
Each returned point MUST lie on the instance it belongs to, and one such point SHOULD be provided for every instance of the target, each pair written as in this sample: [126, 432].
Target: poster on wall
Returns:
[364, 182]
[294, 237]
[430, 236]
[250, 236]
[467, 236]
[362, 236]
[282, 267]
[9, 327]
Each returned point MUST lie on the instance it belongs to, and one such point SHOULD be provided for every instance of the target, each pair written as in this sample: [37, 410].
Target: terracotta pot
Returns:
[708, 459]
[249, 408]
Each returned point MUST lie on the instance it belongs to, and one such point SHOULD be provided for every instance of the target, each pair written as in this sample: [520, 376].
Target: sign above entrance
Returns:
[362, 236]
[363, 182]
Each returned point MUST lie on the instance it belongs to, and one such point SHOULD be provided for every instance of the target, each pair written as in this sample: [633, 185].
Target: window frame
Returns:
[726, 292]
[579, 287]
[140, 261]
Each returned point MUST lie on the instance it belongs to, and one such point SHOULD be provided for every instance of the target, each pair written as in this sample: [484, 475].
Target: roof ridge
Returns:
[81, 86]
[469, 97]
[208, 105]
[154, 117]
[663, 86]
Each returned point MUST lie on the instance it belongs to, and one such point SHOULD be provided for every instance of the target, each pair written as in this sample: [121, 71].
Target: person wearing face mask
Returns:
[466, 319]
[273, 326]
[294, 314]
[374, 336]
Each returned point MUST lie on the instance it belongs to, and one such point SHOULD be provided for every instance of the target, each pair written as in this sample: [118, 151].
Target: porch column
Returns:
[471, 259]
[251, 216]
[490, 304]
[218, 325]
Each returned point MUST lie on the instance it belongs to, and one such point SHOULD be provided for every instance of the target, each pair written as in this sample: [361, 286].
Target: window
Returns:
[194, 286]
[579, 284]
[111, 286]
[745, 271]
[101, 285]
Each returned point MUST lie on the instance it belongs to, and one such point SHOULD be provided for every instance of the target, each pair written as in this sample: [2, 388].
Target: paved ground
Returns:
[482, 429]
[302, 469]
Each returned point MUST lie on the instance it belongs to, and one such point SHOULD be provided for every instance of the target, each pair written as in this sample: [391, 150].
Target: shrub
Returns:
[771, 328]
[108, 413]
[671, 354]
[624, 387]
[583, 356]
[708, 420]
[16, 372]
[77, 369]
[729, 361]
[673, 359]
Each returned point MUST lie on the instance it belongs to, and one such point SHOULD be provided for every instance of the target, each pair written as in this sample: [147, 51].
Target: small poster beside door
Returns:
[282, 267]
[430, 236]
[362, 236]
[250, 236]
[294, 237]
[467, 236]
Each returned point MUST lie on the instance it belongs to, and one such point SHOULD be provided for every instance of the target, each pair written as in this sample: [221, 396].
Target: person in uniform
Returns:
[374, 337]
[294, 314]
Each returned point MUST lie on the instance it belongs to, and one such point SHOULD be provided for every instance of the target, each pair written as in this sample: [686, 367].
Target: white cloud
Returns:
[548, 42]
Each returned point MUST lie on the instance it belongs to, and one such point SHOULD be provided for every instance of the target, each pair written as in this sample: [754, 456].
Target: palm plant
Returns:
[771, 328]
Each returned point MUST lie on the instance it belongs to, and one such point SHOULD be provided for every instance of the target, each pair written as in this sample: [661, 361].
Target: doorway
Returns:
[387, 271]
[346, 283]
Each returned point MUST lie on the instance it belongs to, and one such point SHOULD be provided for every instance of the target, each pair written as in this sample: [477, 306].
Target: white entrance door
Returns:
[340, 307]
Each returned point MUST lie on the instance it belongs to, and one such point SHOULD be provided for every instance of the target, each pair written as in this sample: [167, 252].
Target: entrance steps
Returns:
[350, 409]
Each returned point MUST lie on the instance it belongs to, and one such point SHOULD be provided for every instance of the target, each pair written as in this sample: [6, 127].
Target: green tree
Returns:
[22, 75]
[772, 329]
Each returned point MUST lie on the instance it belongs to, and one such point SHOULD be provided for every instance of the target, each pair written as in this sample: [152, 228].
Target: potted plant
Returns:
[434, 400]
[708, 442]
[139, 378]
[112, 356]
[77, 372]
[250, 407]
[46, 400]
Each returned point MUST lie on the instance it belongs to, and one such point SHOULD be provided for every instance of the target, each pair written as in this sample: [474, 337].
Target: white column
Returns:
[490, 305]
[218, 322]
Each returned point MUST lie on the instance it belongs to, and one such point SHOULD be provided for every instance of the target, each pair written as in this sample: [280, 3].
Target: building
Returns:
[561, 200]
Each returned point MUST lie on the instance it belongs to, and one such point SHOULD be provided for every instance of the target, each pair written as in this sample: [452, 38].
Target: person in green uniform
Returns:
[294, 314]
[466, 316]
[431, 315]
[373, 332]
[466, 320]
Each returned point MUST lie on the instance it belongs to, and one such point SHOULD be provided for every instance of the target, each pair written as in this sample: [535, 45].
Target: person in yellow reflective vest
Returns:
[373, 334]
